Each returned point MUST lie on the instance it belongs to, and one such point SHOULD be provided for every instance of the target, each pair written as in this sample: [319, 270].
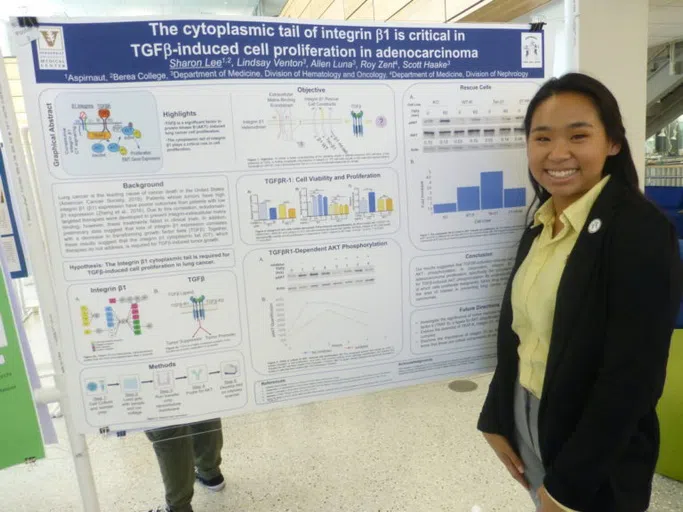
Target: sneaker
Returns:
[162, 508]
[215, 484]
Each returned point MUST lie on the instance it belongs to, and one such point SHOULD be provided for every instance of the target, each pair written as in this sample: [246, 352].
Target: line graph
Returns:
[314, 326]
[323, 309]
[327, 324]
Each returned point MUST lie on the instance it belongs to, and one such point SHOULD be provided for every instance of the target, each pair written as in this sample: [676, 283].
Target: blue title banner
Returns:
[150, 51]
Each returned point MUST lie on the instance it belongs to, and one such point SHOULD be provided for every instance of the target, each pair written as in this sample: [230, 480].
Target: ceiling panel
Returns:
[665, 21]
[659, 3]
[73, 8]
[666, 16]
[502, 10]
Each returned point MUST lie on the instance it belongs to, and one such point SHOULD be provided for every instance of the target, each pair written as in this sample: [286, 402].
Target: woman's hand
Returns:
[547, 503]
[508, 457]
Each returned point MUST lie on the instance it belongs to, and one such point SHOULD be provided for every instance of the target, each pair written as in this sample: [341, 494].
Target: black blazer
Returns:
[616, 308]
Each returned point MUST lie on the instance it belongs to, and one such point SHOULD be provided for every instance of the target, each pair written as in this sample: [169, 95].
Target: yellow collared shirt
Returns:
[534, 288]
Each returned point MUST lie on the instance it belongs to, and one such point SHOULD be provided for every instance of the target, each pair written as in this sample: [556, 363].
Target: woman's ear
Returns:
[614, 149]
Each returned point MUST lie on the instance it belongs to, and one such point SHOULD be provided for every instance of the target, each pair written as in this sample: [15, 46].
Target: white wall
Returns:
[5, 45]
[618, 58]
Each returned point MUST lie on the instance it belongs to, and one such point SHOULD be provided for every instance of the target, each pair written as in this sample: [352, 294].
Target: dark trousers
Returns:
[179, 450]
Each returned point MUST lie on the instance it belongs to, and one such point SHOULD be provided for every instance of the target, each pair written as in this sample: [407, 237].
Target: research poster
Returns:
[251, 213]
[20, 431]
[10, 240]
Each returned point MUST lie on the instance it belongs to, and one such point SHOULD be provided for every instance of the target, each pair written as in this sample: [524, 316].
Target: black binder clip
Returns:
[27, 21]
[537, 26]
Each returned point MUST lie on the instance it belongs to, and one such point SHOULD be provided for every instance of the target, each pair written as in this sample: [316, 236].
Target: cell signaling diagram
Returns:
[104, 133]
[107, 136]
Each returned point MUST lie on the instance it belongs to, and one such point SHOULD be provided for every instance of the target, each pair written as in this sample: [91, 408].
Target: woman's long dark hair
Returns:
[619, 166]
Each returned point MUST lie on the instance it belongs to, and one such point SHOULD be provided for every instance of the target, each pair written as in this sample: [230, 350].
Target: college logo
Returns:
[50, 37]
[51, 48]
[532, 50]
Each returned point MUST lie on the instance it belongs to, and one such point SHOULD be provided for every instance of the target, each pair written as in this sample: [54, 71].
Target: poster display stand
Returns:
[16, 169]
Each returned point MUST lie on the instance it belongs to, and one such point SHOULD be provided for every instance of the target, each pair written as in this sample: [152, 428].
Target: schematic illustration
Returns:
[104, 133]
[357, 118]
[112, 320]
[199, 314]
[161, 379]
[139, 391]
[328, 308]
[322, 123]
[329, 204]
[155, 317]
[327, 126]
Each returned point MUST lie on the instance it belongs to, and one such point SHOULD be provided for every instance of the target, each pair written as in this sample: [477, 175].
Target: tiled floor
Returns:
[414, 449]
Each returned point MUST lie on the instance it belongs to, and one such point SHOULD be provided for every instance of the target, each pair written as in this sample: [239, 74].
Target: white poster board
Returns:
[248, 213]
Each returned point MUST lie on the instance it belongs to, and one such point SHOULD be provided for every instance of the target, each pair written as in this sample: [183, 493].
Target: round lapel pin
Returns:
[594, 226]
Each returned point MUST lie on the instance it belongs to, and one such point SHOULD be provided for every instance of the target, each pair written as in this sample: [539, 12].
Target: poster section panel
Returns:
[20, 429]
[246, 214]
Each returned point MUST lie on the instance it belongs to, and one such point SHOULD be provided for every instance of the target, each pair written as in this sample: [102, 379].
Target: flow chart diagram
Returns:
[104, 133]
[166, 388]
[161, 379]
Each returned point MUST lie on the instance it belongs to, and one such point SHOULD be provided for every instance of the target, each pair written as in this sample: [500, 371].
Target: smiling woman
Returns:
[567, 148]
[587, 317]
[570, 118]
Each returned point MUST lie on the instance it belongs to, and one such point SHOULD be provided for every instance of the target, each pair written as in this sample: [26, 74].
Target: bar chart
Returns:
[466, 167]
[317, 203]
[325, 205]
[320, 204]
[489, 195]
[368, 201]
[263, 211]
